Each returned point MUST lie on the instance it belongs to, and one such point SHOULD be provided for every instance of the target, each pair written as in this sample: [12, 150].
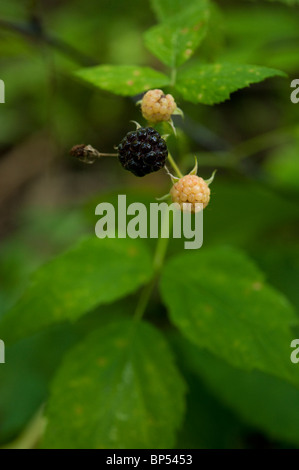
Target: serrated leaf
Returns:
[221, 302]
[94, 272]
[29, 367]
[119, 389]
[175, 40]
[214, 83]
[267, 403]
[24, 378]
[126, 80]
[281, 265]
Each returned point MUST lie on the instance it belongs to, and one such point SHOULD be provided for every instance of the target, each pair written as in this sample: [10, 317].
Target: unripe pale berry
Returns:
[157, 107]
[190, 189]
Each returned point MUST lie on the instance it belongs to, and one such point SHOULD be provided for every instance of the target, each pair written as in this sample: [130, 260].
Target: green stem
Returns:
[30, 436]
[159, 256]
[174, 166]
[144, 299]
[173, 76]
[263, 142]
[248, 148]
[162, 245]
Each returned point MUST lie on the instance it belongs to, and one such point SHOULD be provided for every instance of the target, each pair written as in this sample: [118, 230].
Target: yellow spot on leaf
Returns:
[78, 410]
[257, 285]
[197, 26]
[120, 343]
[207, 308]
[101, 361]
[130, 82]
[132, 251]
[136, 73]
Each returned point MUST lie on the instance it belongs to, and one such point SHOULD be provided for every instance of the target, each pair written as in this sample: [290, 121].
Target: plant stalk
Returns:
[174, 166]
[159, 256]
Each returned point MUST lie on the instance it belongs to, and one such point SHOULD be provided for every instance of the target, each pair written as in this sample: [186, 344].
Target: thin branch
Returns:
[34, 30]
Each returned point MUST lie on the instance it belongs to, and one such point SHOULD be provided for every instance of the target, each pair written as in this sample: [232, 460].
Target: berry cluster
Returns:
[142, 151]
[157, 107]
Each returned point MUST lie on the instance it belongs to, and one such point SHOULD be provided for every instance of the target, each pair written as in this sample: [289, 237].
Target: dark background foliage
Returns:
[47, 198]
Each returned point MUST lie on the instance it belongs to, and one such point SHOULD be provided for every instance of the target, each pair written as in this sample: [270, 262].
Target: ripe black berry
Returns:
[142, 151]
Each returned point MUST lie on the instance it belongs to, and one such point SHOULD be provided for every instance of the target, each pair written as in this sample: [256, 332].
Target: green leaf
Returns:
[119, 389]
[94, 272]
[32, 362]
[126, 80]
[221, 302]
[281, 263]
[175, 40]
[213, 83]
[267, 403]
[24, 379]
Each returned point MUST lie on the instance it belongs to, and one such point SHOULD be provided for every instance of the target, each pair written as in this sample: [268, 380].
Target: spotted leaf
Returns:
[213, 83]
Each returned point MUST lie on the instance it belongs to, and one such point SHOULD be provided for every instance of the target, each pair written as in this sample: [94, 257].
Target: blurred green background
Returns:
[47, 198]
